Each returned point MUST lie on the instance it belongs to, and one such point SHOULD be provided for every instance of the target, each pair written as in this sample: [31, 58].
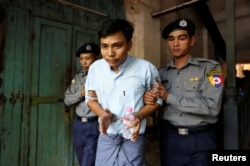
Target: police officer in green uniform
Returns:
[85, 126]
[192, 89]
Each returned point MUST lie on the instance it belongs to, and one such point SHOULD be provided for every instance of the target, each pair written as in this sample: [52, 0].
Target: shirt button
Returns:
[180, 114]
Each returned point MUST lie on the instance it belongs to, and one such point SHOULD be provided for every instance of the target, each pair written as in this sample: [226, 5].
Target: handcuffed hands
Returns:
[104, 121]
[136, 125]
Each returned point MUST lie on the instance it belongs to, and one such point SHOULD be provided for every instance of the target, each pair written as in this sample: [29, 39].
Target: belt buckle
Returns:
[84, 119]
[183, 131]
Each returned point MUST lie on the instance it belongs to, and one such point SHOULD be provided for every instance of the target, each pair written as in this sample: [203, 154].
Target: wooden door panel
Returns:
[50, 124]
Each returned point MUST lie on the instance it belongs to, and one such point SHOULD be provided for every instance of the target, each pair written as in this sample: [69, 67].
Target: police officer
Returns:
[85, 127]
[192, 90]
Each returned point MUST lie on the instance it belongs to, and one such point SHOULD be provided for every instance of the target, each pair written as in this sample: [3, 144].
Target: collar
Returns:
[83, 72]
[124, 64]
[191, 60]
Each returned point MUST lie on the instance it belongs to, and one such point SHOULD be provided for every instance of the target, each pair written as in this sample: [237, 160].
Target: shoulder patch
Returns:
[215, 78]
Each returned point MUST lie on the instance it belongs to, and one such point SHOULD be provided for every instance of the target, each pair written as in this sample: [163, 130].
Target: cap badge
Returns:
[183, 23]
[88, 47]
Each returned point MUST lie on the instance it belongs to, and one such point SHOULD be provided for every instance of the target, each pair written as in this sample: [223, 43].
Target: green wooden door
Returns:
[54, 65]
[50, 125]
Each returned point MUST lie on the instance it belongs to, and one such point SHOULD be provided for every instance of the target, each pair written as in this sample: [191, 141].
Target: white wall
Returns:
[146, 40]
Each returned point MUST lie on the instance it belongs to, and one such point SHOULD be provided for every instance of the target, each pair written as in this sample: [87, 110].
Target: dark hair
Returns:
[112, 26]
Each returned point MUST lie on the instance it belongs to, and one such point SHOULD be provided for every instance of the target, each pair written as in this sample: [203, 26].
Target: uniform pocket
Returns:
[193, 88]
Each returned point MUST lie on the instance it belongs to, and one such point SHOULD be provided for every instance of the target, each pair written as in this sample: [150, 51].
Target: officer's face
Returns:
[180, 43]
[86, 60]
[114, 49]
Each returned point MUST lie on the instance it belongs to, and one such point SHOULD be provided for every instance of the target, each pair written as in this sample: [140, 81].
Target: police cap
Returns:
[180, 24]
[88, 48]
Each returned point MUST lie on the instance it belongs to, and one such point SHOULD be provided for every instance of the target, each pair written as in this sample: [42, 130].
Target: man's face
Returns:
[86, 59]
[114, 49]
[180, 43]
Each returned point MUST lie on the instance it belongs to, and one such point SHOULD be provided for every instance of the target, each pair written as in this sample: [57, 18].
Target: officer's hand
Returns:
[163, 92]
[92, 95]
[150, 97]
[83, 91]
[104, 121]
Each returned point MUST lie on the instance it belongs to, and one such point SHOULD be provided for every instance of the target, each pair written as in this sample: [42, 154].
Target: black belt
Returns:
[183, 130]
[87, 119]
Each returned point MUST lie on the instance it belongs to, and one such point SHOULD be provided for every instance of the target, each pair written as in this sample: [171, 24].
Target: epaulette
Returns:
[207, 60]
[164, 67]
